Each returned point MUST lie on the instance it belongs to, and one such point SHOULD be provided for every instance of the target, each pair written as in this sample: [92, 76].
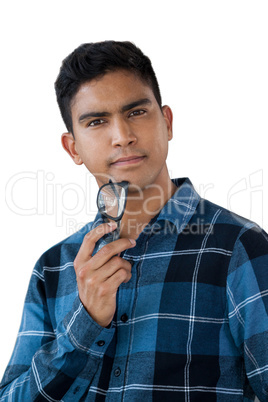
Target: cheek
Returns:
[88, 151]
[159, 142]
[161, 151]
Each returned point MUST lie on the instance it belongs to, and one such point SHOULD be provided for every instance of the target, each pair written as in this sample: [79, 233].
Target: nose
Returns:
[122, 134]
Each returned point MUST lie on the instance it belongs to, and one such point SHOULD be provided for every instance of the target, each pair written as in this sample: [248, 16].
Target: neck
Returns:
[143, 205]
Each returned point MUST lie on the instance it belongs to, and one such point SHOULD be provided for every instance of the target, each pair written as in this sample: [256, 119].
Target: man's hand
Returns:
[99, 277]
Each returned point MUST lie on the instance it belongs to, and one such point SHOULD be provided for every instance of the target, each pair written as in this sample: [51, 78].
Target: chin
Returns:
[138, 181]
[138, 186]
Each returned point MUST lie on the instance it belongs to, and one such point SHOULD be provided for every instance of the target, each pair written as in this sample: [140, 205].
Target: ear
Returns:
[68, 143]
[168, 116]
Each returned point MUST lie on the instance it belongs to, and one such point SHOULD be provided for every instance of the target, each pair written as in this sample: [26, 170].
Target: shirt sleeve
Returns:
[247, 295]
[49, 364]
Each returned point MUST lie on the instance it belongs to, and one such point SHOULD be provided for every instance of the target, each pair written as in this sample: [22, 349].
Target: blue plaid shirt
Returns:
[190, 325]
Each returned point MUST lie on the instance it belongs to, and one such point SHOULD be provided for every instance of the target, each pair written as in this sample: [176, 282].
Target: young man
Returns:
[174, 310]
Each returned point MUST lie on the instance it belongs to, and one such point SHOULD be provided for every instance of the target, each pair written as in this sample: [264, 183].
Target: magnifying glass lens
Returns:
[111, 200]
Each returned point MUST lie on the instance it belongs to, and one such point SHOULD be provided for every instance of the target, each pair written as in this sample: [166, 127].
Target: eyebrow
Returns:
[140, 102]
[125, 108]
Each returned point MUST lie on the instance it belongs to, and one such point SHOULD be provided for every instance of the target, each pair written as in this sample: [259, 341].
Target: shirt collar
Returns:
[178, 210]
[182, 205]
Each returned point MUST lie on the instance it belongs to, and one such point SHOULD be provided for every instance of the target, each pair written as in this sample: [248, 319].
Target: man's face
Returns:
[120, 131]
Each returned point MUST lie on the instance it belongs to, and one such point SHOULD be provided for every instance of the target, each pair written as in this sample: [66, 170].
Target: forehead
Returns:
[112, 90]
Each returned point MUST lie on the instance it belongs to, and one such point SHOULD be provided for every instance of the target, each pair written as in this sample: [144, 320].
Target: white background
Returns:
[211, 61]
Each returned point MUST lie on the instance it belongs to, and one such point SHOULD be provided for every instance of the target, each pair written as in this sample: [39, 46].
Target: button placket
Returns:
[124, 303]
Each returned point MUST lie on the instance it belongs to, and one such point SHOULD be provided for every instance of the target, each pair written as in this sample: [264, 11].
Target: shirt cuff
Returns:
[84, 333]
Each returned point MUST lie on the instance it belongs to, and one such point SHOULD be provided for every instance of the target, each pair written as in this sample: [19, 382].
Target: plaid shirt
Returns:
[190, 325]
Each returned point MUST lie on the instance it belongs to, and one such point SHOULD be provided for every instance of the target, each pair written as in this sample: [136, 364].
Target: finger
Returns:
[119, 277]
[90, 240]
[114, 265]
[110, 250]
[105, 272]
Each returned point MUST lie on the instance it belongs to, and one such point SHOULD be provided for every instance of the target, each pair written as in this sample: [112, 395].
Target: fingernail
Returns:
[112, 225]
[132, 241]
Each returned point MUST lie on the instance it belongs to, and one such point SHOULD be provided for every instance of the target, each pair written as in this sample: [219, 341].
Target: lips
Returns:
[128, 160]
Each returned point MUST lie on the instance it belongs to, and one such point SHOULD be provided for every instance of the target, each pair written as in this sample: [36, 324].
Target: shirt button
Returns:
[124, 317]
[117, 372]
[100, 343]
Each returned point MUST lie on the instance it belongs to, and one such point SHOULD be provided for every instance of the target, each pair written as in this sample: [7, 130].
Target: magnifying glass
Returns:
[111, 203]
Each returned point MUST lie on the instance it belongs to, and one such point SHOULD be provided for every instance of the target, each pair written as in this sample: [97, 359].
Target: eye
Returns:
[137, 113]
[95, 123]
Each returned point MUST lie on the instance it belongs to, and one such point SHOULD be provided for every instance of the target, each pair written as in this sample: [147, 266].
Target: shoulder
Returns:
[250, 241]
[228, 227]
[209, 210]
[225, 219]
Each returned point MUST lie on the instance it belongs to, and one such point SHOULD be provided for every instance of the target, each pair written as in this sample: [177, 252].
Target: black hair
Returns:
[91, 60]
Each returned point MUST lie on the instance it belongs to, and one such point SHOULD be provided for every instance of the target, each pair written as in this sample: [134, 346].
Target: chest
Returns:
[173, 290]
